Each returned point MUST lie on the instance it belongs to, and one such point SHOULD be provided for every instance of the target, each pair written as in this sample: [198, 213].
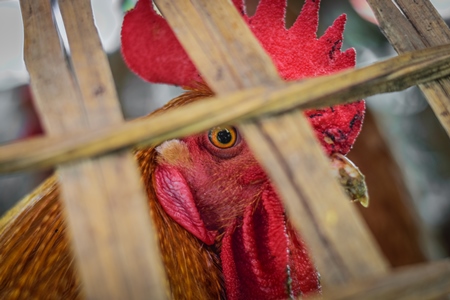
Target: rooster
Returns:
[222, 229]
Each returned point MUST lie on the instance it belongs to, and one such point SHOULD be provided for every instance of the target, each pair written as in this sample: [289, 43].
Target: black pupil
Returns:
[224, 136]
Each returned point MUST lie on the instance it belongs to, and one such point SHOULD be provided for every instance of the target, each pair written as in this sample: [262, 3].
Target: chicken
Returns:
[222, 229]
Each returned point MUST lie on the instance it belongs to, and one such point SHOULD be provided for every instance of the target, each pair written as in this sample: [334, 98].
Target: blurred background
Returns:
[402, 150]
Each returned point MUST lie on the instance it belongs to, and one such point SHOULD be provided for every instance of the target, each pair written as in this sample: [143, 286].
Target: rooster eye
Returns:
[223, 137]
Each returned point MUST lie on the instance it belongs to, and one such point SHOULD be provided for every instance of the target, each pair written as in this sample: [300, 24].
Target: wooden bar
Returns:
[203, 28]
[418, 282]
[412, 25]
[107, 214]
[391, 75]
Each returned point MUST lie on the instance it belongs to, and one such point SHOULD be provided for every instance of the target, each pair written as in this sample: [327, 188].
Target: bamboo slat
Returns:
[412, 25]
[115, 245]
[285, 145]
[419, 282]
[391, 75]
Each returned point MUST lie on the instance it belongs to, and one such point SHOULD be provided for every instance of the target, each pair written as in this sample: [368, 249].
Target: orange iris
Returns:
[223, 137]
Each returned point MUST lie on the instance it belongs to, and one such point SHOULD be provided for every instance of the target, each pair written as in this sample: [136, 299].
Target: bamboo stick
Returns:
[419, 282]
[115, 246]
[412, 25]
[391, 75]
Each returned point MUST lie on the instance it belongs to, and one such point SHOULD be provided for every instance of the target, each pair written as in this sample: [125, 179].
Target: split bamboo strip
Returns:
[391, 75]
[285, 145]
[115, 247]
[412, 25]
[420, 282]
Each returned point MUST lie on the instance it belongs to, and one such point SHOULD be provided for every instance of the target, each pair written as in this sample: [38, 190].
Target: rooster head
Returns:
[210, 183]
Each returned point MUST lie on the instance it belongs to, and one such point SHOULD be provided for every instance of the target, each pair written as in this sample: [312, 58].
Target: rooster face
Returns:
[216, 171]
[212, 185]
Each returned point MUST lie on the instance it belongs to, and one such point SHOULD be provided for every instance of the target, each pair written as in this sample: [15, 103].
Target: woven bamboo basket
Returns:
[87, 140]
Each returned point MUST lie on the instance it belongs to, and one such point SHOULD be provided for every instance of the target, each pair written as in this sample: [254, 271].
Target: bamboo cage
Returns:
[88, 141]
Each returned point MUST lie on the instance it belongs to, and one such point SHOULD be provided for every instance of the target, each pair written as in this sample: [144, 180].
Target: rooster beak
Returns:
[351, 178]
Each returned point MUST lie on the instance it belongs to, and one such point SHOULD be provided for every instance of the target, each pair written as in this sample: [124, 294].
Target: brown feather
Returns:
[35, 254]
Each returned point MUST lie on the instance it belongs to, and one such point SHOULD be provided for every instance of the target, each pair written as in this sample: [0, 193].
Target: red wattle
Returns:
[257, 257]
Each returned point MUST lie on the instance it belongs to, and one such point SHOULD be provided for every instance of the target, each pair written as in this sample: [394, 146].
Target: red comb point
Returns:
[151, 50]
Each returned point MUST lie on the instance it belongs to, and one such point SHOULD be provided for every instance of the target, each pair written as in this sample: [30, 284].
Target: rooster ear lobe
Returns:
[175, 197]
[151, 49]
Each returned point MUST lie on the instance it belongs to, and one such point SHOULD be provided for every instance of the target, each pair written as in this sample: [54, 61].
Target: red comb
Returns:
[152, 51]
